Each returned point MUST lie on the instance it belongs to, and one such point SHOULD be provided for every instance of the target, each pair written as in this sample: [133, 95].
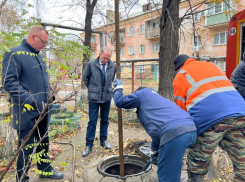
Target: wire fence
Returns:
[139, 74]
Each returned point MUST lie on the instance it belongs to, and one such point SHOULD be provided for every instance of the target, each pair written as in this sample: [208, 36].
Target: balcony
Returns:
[218, 20]
[153, 33]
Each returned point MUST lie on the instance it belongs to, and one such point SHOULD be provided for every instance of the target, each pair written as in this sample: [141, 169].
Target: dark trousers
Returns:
[93, 117]
[23, 160]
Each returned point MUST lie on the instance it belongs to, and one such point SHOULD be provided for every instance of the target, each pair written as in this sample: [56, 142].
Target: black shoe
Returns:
[105, 144]
[26, 179]
[87, 151]
[55, 175]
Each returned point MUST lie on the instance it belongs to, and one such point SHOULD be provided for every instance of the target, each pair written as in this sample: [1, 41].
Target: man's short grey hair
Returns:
[102, 50]
[37, 28]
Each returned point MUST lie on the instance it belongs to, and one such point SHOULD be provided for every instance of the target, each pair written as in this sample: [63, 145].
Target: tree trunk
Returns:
[169, 46]
[88, 31]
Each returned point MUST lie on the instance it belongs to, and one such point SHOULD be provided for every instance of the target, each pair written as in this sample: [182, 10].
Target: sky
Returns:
[57, 12]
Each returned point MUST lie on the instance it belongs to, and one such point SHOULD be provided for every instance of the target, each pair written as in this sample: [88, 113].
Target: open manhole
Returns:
[133, 166]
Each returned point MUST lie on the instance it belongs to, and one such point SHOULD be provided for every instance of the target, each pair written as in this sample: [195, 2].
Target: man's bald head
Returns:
[37, 29]
[38, 37]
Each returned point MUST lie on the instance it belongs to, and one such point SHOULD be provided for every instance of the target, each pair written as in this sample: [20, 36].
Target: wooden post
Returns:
[118, 75]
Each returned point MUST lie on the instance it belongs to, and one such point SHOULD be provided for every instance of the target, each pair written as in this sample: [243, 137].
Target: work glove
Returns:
[117, 84]
[154, 157]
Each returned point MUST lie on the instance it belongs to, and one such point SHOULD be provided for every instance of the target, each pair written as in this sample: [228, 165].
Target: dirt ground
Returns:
[132, 134]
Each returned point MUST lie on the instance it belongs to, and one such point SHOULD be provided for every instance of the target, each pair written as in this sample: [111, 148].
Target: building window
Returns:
[197, 16]
[131, 50]
[142, 49]
[121, 36]
[131, 31]
[121, 51]
[197, 43]
[109, 38]
[155, 47]
[219, 7]
[142, 29]
[220, 38]
[93, 38]
[228, 5]
[130, 69]
[153, 25]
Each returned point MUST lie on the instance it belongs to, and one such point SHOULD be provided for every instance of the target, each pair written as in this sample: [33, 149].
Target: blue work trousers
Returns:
[93, 117]
[170, 157]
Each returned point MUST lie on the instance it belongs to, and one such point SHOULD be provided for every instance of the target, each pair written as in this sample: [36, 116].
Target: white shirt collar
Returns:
[101, 62]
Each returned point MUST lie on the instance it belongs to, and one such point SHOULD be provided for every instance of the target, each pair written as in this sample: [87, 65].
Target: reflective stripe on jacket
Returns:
[203, 90]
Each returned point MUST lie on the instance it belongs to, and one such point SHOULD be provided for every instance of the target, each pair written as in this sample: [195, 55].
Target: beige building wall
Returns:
[206, 33]
[134, 40]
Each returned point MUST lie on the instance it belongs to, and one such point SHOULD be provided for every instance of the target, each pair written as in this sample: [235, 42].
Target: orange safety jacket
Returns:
[202, 89]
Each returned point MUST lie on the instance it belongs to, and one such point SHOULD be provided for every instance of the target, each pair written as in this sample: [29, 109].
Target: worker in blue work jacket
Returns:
[172, 129]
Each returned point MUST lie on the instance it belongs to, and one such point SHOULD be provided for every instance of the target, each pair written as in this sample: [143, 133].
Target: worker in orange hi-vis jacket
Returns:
[202, 89]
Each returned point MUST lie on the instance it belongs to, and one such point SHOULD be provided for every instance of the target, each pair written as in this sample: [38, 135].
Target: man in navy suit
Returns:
[25, 78]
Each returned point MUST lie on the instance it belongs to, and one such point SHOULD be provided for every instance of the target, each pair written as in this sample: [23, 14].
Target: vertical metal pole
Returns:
[120, 126]
[155, 72]
[132, 77]
[141, 76]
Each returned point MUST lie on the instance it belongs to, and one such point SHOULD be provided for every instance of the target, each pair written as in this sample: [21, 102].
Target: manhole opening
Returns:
[133, 166]
[129, 169]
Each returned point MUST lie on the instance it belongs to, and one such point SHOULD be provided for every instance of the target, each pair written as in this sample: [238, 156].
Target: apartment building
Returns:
[140, 32]
[211, 24]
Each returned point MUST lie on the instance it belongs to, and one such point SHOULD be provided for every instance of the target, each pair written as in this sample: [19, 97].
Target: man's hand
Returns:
[117, 84]
[154, 156]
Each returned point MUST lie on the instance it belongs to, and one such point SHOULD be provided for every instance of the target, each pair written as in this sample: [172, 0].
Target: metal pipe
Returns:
[133, 77]
[120, 126]
[67, 27]
[155, 73]
[73, 158]
[140, 60]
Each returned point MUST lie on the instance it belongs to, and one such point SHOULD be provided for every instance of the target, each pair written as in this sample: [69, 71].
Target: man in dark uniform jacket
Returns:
[25, 78]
